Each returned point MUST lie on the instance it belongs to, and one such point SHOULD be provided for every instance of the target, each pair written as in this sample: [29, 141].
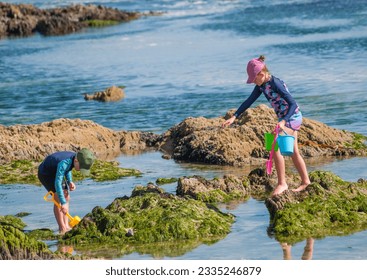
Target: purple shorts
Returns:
[295, 121]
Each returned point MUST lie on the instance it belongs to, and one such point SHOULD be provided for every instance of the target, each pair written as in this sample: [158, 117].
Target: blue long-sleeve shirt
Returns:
[277, 93]
[59, 165]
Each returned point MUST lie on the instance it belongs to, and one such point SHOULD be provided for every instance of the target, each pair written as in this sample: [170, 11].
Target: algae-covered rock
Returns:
[25, 172]
[329, 206]
[19, 171]
[154, 217]
[16, 245]
[163, 181]
[42, 234]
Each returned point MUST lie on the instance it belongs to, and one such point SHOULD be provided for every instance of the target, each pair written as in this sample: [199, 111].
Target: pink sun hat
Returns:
[254, 66]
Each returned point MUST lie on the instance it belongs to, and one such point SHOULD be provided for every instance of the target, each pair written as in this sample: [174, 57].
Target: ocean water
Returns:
[190, 62]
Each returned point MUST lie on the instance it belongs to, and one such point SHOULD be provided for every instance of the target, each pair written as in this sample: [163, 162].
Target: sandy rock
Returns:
[36, 141]
[203, 140]
[109, 94]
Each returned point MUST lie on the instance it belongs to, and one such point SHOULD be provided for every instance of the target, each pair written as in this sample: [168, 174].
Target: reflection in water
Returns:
[158, 250]
[65, 249]
[307, 251]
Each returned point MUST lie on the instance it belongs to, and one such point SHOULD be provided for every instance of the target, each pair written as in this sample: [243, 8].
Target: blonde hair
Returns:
[262, 59]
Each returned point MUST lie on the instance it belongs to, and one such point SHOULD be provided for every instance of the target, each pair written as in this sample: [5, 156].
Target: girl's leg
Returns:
[300, 165]
[280, 168]
[308, 251]
[287, 253]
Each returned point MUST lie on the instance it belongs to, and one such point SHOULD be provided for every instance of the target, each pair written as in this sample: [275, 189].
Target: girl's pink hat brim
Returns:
[254, 66]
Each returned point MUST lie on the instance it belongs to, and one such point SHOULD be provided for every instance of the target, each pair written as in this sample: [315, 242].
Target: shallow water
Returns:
[190, 62]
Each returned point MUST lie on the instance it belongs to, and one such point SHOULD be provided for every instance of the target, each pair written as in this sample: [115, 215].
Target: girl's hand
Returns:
[72, 186]
[229, 121]
[281, 124]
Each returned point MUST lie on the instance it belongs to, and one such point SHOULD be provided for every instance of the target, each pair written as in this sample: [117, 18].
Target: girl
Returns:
[287, 110]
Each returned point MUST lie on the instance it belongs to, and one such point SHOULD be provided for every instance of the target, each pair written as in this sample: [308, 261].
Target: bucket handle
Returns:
[269, 162]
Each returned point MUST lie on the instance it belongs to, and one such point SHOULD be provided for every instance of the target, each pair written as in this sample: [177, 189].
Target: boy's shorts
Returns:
[48, 181]
[295, 121]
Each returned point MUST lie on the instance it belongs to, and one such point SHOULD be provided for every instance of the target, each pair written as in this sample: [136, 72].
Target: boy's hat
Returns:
[254, 66]
[86, 159]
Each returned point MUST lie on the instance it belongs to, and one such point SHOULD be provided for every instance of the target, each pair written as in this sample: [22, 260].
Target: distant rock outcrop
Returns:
[108, 95]
[25, 19]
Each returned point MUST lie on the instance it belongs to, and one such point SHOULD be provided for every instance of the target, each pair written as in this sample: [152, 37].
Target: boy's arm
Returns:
[61, 171]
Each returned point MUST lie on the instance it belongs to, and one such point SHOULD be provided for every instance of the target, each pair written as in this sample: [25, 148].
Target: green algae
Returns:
[107, 171]
[333, 207]
[19, 171]
[43, 234]
[15, 244]
[163, 181]
[154, 217]
[25, 172]
[101, 23]
[22, 214]
[12, 221]
[358, 143]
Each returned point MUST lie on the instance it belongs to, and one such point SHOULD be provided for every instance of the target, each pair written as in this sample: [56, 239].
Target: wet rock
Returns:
[110, 94]
[217, 190]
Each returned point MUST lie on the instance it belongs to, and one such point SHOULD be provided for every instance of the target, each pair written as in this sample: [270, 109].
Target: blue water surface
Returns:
[189, 62]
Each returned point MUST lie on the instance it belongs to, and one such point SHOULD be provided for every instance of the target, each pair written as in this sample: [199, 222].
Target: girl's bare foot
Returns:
[301, 188]
[279, 189]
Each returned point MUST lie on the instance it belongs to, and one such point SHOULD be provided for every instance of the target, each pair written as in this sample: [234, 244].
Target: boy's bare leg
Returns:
[61, 219]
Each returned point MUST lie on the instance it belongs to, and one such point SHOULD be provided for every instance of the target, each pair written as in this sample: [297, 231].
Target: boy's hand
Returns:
[72, 186]
[64, 208]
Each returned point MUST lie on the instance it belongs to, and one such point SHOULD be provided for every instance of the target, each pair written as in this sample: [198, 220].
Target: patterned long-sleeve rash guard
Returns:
[277, 93]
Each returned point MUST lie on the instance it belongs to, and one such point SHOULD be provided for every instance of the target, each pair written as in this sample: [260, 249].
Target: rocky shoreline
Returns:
[198, 140]
[25, 20]
[176, 227]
